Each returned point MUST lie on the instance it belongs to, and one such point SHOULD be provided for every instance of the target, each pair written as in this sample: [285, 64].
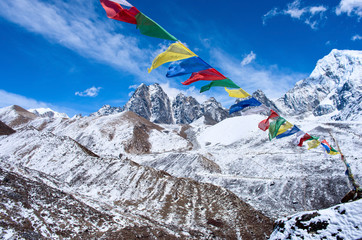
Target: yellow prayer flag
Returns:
[237, 93]
[283, 128]
[333, 153]
[176, 51]
[313, 144]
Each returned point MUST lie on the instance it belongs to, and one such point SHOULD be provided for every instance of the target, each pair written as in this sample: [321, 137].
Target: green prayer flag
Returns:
[219, 83]
[150, 28]
[274, 127]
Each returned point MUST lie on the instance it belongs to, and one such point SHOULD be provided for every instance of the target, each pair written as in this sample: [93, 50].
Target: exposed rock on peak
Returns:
[47, 112]
[107, 110]
[5, 129]
[186, 109]
[152, 103]
[213, 111]
[15, 116]
[261, 97]
[334, 87]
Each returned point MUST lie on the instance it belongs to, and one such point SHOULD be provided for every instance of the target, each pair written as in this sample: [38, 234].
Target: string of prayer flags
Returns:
[187, 66]
[176, 51]
[150, 28]
[206, 75]
[237, 93]
[289, 132]
[251, 102]
[330, 150]
[264, 125]
[120, 10]
[274, 127]
[219, 83]
[313, 144]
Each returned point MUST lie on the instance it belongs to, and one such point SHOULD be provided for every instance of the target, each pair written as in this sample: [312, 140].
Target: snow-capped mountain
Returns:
[15, 116]
[107, 110]
[47, 112]
[152, 103]
[334, 87]
[186, 109]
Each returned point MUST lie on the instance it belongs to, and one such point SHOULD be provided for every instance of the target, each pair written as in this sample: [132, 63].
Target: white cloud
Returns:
[75, 25]
[356, 37]
[248, 58]
[135, 86]
[90, 92]
[271, 80]
[172, 92]
[350, 7]
[311, 15]
[8, 99]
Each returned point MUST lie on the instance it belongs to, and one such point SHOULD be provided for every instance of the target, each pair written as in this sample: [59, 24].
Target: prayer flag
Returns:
[328, 148]
[206, 75]
[176, 51]
[251, 102]
[289, 132]
[274, 127]
[313, 144]
[264, 125]
[299, 134]
[120, 10]
[219, 83]
[150, 28]
[283, 128]
[237, 93]
[306, 137]
[186, 66]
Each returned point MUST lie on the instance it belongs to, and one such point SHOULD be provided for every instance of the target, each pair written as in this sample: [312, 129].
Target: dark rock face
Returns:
[107, 110]
[5, 129]
[213, 110]
[186, 109]
[152, 103]
[261, 97]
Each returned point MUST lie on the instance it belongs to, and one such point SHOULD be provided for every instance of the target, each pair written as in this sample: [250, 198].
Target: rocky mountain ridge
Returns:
[334, 88]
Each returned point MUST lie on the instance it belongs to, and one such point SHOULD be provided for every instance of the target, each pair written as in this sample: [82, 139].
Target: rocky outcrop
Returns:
[152, 103]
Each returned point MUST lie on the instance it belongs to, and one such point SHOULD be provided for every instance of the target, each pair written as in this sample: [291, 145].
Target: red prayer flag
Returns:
[303, 139]
[207, 75]
[117, 12]
[264, 125]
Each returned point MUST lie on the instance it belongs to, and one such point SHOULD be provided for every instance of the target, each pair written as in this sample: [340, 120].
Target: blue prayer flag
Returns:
[187, 66]
[251, 102]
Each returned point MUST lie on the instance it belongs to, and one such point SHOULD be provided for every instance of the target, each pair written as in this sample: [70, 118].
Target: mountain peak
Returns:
[47, 112]
[333, 88]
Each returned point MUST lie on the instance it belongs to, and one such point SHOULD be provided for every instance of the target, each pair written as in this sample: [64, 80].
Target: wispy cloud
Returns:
[350, 7]
[172, 92]
[270, 79]
[8, 99]
[90, 92]
[311, 15]
[248, 58]
[356, 37]
[74, 25]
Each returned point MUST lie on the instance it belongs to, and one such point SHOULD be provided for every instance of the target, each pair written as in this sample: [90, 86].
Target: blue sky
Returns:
[67, 55]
